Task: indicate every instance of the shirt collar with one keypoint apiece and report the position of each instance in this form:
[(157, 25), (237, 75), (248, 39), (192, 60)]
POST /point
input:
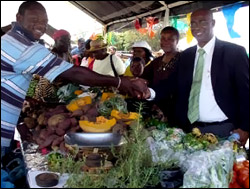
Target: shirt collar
[(208, 47), (17, 28)]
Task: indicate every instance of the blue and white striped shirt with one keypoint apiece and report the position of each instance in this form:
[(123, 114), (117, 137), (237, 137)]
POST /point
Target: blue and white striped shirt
[(21, 57)]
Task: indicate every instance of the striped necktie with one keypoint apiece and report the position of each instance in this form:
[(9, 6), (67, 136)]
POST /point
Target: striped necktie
[(193, 105)]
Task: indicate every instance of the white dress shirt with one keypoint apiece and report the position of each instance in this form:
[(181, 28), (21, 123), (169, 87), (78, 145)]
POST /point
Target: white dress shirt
[(209, 110)]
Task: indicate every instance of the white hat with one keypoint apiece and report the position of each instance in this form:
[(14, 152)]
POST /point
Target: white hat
[(142, 44)]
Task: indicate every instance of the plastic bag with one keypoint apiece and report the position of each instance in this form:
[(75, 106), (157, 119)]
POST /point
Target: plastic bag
[(208, 169), (66, 93)]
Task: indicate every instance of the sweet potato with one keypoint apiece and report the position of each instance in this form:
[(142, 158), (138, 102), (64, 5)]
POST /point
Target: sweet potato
[(62, 147), (60, 131), (43, 134), (77, 113), (41, 119), (47, 142), (57, 141), (74, 129), (92, 112), (39, 141), (39, 128), (65, 125), (30, 122), (74, 122), (86, 108), (119, 129), (55, 119), (84, 117)]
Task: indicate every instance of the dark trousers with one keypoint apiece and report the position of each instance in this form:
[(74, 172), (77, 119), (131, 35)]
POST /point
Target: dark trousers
[(220, 129)]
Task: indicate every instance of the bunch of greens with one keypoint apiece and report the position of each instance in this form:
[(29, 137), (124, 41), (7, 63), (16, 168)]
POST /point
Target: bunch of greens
[(116, 102), (32, 87), (64, 164), (66, 93), (153, 122), (193, 143), (133, 168)]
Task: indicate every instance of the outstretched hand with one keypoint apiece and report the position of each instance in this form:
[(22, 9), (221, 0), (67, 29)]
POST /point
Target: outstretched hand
[(136, 87), (244, 135)]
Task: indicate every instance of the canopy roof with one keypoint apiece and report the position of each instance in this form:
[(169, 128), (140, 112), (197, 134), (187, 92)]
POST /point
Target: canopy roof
[(116, 14)]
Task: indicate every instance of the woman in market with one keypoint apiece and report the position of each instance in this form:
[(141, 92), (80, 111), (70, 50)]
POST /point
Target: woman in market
[(143, 50), (163, 67)]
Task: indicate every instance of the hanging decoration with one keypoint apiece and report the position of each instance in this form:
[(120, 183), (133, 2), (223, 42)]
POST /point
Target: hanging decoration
[(174, 21), (96, 36), (151, 21), (138, 23), (229, 13), (189, 33)]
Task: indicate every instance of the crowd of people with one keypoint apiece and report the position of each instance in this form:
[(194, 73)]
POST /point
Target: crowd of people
[(205, 86)]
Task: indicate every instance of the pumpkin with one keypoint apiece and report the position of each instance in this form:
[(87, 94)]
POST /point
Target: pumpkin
[(101, 125), (105, 96), (78, 92), (79, 103), (129, 116)]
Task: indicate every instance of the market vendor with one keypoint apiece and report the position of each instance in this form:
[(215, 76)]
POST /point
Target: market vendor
[(212, 83), (22, 56)]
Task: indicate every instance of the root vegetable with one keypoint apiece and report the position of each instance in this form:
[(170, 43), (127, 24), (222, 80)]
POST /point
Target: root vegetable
[(84, 117), (60, 131), (92, 112), (30, 122), (43, 134), (86, 108), (47, 142), (74, 122), (62, 147), (65, 125), (42, 119), (39, 141), (74, 129), (77, 113), (57, 141), (55, 119)]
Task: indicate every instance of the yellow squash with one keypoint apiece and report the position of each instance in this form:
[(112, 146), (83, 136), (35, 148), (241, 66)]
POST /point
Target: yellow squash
[(105, 96), (129, 116), (101, 125), (79, 103)]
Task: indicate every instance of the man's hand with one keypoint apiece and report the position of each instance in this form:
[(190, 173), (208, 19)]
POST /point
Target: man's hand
[(244, 135), (135, 87)]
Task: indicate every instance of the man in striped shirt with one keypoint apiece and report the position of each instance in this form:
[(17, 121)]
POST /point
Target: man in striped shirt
[(22, 56)]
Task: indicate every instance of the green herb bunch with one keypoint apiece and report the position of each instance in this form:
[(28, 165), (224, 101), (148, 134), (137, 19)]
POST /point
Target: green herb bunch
[(133, 169)]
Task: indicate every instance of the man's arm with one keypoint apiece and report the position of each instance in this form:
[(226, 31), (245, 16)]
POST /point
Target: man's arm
[(84, 76), (241, 78)]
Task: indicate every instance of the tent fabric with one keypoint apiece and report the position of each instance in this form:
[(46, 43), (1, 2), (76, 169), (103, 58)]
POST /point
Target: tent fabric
[(117, 14)]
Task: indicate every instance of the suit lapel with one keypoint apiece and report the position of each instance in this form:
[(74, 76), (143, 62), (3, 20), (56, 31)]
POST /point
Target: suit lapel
[(190, 66), (216, 61)]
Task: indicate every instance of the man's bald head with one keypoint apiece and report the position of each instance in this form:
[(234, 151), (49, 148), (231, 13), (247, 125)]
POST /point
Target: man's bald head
[(202, 24), (203, 11)]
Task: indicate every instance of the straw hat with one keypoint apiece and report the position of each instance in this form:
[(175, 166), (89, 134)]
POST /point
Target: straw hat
[(96, 45)]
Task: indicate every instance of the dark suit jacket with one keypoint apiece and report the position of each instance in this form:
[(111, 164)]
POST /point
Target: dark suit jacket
[(230, 82)]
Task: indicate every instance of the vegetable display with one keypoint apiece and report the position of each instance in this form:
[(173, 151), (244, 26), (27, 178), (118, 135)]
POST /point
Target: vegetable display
[(240, 177), (101, 125)]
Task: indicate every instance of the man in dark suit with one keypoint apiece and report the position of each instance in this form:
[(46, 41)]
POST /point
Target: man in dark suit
[(212, 83)]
